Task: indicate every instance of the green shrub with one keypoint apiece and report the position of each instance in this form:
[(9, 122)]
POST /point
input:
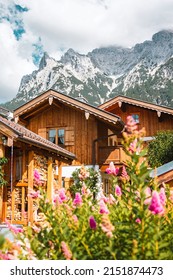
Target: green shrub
[(85, 177), (160, 150)]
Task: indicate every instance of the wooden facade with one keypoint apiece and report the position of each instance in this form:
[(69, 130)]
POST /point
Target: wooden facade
[(85, 127), (27, 152), (153, 117)]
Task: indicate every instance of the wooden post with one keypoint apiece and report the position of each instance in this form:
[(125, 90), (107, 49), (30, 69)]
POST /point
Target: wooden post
[(2, 154), (30, 185), (60, 174), (67, 183), (50, 179)]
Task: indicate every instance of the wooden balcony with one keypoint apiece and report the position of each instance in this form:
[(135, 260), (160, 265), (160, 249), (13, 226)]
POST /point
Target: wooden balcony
[(115, 154)]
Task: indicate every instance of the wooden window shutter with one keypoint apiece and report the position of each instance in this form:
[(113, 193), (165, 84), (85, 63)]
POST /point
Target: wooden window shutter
[(42, 132), (69, 136)]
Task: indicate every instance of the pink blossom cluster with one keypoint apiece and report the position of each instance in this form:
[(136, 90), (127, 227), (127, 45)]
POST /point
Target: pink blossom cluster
[(133, 147), (103, 208), (124, 173), (118, 190), (138, 221), (13, 228), (92, 222), (106, 226), (112, 169), (66, 251), (34, 194), (78, 199), (85, 190), (60, 196), (158, 201), (37, 177), (6, 256)]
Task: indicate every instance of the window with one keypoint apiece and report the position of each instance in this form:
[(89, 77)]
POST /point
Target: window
[(136, 117), (57, 136), (52, 135), (61, 136)]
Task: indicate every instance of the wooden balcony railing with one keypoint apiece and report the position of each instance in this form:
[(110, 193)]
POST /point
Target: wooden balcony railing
[(111, 153)]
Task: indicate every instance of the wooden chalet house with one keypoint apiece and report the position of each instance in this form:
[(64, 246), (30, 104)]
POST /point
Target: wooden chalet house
[(26, 151), (151, 116), (80, 128)]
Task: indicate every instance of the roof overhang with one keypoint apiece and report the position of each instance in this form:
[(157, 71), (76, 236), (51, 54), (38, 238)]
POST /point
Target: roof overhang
[(118, 100), (18, 133), (52, 97)]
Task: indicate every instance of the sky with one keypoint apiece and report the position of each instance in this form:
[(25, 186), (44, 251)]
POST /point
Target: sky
[(28, 28)]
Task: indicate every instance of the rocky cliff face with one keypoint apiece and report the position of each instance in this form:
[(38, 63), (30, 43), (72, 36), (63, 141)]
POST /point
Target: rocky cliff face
[(144, 72)]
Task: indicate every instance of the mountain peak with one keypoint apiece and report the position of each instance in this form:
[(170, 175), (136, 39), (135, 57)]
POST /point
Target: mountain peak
[(43, 61), (144, 72), (163, 35)]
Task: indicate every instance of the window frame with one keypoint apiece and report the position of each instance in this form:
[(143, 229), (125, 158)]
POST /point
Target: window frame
[(57, 129)]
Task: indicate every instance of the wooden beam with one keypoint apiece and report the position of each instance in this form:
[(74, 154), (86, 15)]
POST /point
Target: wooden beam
[(24, 169), (50, 179), (30, 185), (35, 111), (60, 174), (2, 150)]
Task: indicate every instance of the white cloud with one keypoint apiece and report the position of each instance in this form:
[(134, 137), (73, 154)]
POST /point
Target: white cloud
[(78, 24), (84, 25), (12, 63)]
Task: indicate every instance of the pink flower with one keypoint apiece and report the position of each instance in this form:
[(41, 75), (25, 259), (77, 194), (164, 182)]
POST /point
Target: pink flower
[(112, 199), (103, 208), (62, 194), (92, 222), (85, 190), (134, 146), (78, 199), (124, 173), (138, 221), (37, 177), (103, 197), (66, 251), (118, 191), (75, 219), (4, 256), (13, 228), (106, 226), (156, 206), (148, 196), (34, 194), (162, 196), (112, 169)]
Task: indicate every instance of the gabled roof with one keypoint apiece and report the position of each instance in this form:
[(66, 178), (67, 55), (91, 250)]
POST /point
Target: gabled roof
[(50, 96), (144, 104), (19, 132)]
